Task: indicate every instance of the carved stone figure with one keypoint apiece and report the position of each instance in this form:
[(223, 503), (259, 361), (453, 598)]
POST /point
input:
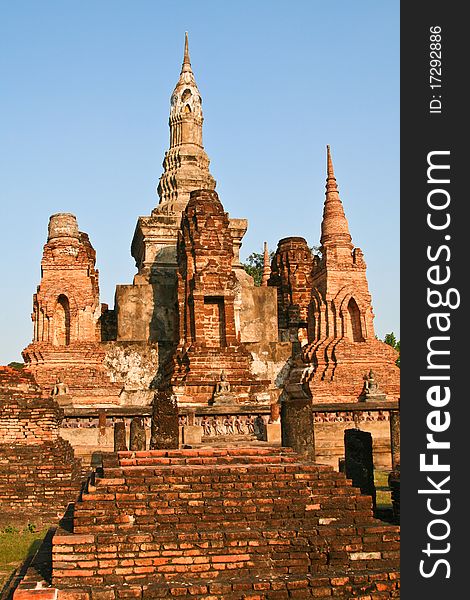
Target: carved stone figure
[(222, 386), (206, 426), (137, 439), (60, 388), (370, 384), (371, 387), (239, 425), (228, 423), (259, 426), (275, 416), (120, 436), (217, 426), (250, 424)]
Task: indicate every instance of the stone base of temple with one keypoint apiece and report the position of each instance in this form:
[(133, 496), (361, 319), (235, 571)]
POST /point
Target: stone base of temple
[(229, 523)]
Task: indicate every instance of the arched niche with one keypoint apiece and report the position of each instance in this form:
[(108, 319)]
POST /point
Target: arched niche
[(62, 321), (354, 318)]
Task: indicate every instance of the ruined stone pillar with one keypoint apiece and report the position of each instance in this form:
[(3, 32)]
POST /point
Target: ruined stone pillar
[(120, 436), (137, 439), (297, 425), (165, 426), (359, 460), (102, 423), (395, 437), (394, 485)]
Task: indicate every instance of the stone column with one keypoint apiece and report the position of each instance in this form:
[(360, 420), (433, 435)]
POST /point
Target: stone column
[(359, 460), (165, 426), (137, 434), (394, 485), (120, 436), (102, 422), (297, 426), (395, 437)]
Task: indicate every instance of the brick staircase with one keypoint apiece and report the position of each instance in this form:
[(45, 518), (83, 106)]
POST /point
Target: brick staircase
[(254, 523)]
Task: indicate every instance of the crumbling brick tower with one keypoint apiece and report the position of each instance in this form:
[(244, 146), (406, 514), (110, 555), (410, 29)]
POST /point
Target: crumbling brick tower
[(145, 310), (66, 307), (66, 314), (291, 273)]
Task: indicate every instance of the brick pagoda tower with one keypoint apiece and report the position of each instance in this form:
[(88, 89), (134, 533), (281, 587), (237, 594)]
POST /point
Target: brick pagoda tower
[(208, 342), (342, 344), (67, 316), (326, 390), (145, 310)]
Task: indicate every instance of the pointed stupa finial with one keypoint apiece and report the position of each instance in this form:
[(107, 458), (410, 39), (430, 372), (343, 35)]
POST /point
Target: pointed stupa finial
[(266, 266), (186, 60), (331, 184), (334, 227)]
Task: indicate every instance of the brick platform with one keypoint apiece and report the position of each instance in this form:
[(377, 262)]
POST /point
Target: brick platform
[(253, 523)]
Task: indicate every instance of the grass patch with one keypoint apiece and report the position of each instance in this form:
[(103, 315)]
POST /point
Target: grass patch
[(15, 547)]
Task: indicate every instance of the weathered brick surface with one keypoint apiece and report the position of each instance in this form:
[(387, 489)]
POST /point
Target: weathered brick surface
[(224, 523), (37, 482), (18, 383), (291, 272), (67, 315), (208, 343), (39, 474), (329, 295)]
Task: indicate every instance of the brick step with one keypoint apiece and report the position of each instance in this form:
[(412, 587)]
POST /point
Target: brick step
[(204, 485), (340, 584), (114, 459), (130, 559), (358, 537), (371, 530), (209, 460), (187, 525), (262, 466), (222, 466), (190, 522), (243, 451), (233, 473), (162, 495), (191, 503)]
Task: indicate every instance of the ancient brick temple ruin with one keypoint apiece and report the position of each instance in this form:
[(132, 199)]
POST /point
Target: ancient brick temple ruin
[(228, 401)]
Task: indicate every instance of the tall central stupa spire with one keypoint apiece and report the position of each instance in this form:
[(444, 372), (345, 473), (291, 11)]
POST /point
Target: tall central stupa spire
[(186, 164), (334, 227)]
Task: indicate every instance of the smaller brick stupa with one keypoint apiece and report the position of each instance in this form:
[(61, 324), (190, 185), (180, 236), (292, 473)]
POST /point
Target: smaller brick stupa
[(66, 345), (342, 376), (342, 343)]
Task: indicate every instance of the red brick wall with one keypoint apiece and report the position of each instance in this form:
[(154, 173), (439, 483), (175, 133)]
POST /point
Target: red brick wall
[(39, 474), (29, 422), (214, 322)]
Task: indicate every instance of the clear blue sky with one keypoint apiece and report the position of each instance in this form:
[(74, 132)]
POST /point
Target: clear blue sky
[(84, 104)]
